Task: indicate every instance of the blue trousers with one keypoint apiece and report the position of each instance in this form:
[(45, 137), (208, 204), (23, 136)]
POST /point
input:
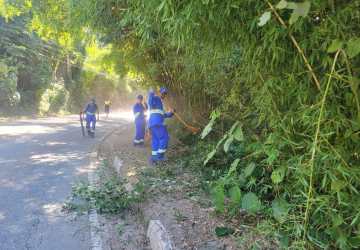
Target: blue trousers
[(90, 121), (159, 141), (139, 132)]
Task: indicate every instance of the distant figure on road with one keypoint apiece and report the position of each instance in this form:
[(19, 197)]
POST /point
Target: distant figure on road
[(107, 107), (158, 130), (90, 111), (139, 110)]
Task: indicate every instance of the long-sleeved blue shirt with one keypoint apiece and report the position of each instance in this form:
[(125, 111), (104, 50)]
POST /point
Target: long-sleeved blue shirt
[(91, 109), (139, 112), (157, 113)]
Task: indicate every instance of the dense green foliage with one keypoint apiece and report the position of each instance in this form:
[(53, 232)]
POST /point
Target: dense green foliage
[(44, 70), (295, 146), (24, 73)]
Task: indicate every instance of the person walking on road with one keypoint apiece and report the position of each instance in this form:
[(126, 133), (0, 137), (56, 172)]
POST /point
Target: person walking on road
[(139, 110), (158, 130), (107, 104), (91, 110)]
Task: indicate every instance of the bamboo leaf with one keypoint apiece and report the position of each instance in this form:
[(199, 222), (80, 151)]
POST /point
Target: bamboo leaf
[(249, 169), (233, 167), (233, 127), (209, 156), (222, 140), (207, 129), (228, 143)]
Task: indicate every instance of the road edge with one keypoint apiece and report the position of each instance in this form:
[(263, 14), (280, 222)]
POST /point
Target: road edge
[(96, 242), (95, 237)]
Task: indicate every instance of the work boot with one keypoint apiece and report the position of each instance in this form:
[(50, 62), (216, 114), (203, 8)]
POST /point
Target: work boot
[(91, 133), (153, 162)]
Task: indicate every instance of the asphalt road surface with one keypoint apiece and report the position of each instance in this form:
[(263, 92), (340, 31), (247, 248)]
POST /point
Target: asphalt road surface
[(40, 159)]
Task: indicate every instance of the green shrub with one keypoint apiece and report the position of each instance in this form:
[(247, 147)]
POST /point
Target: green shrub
[(54, 99)]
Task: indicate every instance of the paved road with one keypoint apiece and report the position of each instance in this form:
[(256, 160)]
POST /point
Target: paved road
[(39, 161)]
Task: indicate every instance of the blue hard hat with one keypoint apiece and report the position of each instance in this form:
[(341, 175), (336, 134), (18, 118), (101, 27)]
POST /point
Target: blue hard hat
[(140, 97), (163, 90)]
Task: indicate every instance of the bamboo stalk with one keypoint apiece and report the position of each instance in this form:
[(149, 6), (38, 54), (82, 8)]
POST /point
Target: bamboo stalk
[(296, 44), (314, 147)]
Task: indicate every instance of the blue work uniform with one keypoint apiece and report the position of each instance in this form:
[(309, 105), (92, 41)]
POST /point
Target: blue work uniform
[(159, 133), (139, 113), (90, 112)]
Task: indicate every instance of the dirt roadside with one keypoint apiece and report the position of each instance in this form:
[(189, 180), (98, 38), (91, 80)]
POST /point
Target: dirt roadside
[(171, 196)]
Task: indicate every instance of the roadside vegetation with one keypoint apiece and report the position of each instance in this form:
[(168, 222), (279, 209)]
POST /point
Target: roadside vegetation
[(107, 196), (275, 84)]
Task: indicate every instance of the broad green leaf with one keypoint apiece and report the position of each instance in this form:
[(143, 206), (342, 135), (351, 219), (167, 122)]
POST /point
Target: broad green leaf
[(264, 18), (278, 175), (249, 169), (280, 209), (282, 4), (353, 47), (227, 143), (284, 241), (335, 46), (219, 198), (294, 17), (251, 203), (238, 134), (209, 156), (300, 10), (223, 231), (235, 195), (291, 5)]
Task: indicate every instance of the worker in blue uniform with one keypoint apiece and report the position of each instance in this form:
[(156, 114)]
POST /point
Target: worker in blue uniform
[(90, 112), (139, 110), (158, 130)]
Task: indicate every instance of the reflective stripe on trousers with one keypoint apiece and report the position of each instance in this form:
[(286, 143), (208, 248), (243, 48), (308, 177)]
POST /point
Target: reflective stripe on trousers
[(157, 111)]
